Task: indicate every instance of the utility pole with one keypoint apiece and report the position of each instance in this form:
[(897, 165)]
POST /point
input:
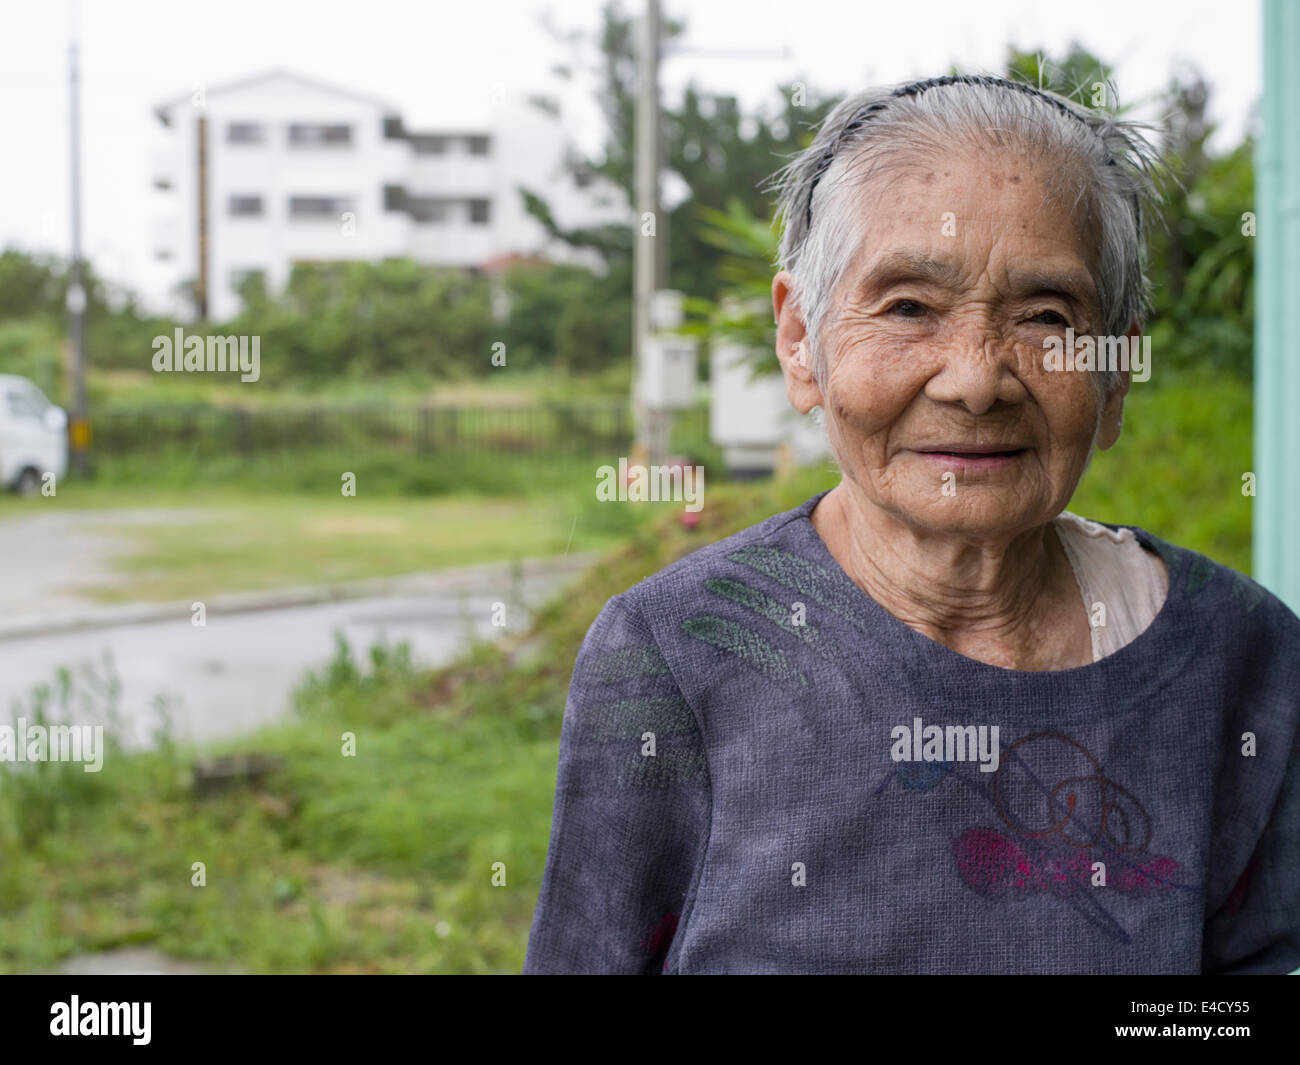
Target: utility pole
[(202, 283), (673, 365), (645, 255), (79, 427)]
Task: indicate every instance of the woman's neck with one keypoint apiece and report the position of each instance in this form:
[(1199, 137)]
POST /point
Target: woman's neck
[(1012, 603)]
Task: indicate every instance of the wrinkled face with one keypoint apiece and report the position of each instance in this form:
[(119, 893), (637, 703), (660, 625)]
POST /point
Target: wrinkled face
[(936, 397)]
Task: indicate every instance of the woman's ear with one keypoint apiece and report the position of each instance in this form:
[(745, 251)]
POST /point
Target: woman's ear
[(1112, 411), (1112, 414), (792, 347)]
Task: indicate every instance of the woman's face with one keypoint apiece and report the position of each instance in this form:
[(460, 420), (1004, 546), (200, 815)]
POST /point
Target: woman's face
[(937, 402)]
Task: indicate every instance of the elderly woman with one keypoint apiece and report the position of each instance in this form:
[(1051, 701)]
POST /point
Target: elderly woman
[(929, 721)]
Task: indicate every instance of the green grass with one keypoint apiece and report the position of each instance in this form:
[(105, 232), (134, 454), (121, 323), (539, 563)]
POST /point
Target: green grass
[(1176, 470), (275, 543), (250, 536), (179, 479), (500, 454), (279, 521), (378, 863), (501, 386)]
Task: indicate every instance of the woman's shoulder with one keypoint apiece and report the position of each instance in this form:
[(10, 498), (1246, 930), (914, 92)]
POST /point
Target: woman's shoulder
[(1201, 581)]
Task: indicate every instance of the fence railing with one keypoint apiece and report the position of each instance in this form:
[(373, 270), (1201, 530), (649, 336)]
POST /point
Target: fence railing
[(210, 431)]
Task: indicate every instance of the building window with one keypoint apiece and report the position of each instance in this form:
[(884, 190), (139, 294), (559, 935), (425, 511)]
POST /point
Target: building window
[(427, 144), (245, 133), (245, 207), (318, 208), (479, 212), (319, 135), (394, 198), (477, 145), (427, 210)]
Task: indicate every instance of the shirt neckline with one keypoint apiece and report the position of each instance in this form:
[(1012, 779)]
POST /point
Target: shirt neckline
[(922, 645)]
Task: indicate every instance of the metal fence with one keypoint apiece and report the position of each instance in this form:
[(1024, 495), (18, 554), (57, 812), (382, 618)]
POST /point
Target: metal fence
[(210, 431)]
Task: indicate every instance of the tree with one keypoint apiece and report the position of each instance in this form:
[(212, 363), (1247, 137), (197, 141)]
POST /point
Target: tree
[(720, 153)]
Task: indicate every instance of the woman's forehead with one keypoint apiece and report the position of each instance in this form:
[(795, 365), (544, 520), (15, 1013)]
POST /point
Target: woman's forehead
[(937, 223), (994, 181)]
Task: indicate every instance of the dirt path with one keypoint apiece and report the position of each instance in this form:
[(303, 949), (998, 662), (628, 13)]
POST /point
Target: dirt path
[(45, 558)]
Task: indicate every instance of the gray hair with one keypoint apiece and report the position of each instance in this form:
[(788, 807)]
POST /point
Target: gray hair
[(867, 134)]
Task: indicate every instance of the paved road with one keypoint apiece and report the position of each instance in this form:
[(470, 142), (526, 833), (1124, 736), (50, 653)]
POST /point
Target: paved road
[(237, 672)]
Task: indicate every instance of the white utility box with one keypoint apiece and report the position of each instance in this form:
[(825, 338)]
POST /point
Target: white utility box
[(751, 419), (668, 368)]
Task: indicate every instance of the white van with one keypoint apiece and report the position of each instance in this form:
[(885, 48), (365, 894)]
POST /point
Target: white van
[(33, 436)]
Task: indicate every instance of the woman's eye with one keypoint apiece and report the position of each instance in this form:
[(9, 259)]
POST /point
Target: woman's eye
[(1049, 318), (907, 309)]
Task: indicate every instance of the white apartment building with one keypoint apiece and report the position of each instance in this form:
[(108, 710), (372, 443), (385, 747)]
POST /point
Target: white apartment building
[(263, 173)]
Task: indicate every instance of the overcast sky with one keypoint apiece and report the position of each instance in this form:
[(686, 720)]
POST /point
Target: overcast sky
[(439, 62)]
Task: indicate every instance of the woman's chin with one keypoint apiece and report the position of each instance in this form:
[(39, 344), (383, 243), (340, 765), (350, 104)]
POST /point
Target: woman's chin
[(981, 514)]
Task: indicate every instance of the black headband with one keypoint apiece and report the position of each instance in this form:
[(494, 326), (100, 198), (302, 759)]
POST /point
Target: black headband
[(915, 89)]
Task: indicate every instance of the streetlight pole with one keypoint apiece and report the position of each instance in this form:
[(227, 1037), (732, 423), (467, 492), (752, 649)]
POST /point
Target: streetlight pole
[(79, 430)]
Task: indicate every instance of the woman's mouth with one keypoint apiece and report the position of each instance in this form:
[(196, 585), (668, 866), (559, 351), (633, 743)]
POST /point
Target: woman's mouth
[(957, 457)]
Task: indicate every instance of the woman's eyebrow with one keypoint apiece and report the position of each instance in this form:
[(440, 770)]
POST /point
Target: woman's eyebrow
[(1067, 284), (904, 266)]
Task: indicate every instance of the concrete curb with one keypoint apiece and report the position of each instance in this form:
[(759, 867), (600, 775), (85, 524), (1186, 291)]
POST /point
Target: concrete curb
[(425, 582)]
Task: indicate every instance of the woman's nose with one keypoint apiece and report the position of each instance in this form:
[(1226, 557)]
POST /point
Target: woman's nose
[(977, 370)]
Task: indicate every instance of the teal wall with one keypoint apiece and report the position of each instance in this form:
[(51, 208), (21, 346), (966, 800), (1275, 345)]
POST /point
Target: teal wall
[(1276, 515)]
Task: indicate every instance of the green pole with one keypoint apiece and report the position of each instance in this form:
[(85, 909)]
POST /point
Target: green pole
[(1276, 524)]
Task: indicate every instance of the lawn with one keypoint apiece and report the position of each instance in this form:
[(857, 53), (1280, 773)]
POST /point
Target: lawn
[(277, 542), (127, 388), (234, 539)]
